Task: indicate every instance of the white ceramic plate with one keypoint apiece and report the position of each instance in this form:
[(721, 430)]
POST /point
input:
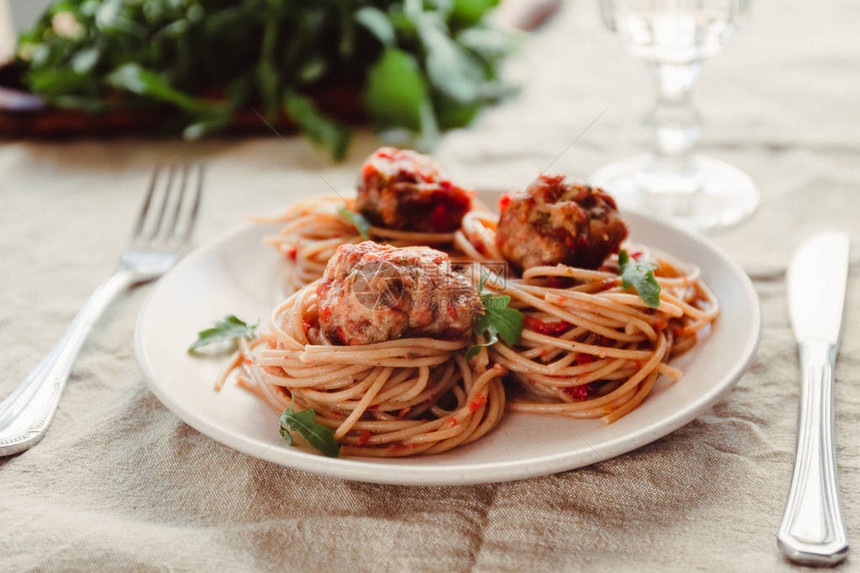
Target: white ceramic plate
[(236, 274)]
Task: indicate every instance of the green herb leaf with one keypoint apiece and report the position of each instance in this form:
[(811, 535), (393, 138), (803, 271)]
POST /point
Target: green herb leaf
[(641, 277), (111, 18), (452, 71), (85, 60), (357, 219), (285, 432), (499, 319), (490, 44), (316, 126), (312, 70), (319, 436), (140, 81), (83, 103), (53, 84), (422, 65), (395, 92), (377, 23), (475, 348), (482, 281), (268, 78), (225, 330), (469, 12), (452, 114), (207, 124)]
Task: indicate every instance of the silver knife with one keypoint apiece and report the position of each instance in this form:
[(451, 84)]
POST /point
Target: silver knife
[(812, 530)]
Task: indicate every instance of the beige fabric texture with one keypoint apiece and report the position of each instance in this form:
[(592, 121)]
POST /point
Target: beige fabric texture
[(120, 483)]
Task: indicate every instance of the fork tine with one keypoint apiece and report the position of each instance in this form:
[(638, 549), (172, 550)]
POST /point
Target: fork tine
[(168, 188), (195, 208), (147, 201), (177, 204)]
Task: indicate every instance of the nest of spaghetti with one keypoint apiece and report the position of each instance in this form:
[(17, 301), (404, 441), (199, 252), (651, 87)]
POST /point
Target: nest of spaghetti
[(399, 388), (402, 198), (592, 344), (591, 348)]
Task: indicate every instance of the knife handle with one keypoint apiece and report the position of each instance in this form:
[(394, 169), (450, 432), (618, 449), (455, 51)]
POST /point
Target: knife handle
[(812, 530)]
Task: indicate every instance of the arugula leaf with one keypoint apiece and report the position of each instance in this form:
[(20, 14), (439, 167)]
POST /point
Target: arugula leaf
[(285, 432), (207, 124), (452, 71), (377, 23), (83, 103), (319, 436), (312, 70), (55, 83), (316, 126), (487, 43), (423, 65), (395, 92), (85, 60), (138, 80), (475, 348), (110, 18), (269, 81), (469, 12), (452, 114), (499, 319), (228, 329), (482, 281), (641, 277), (357, 219)]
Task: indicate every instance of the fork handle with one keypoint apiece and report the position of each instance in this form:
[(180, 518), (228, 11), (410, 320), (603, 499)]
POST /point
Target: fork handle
[(812, 530), (26, 413)]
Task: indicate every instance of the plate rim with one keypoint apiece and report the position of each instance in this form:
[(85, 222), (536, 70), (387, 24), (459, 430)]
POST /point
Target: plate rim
[(376, 471)]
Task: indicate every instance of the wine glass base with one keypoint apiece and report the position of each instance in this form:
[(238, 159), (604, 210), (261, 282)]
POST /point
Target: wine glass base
[(708, 196)]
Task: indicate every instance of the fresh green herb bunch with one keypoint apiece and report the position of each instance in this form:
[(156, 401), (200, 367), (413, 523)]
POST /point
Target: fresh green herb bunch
[(419, 65)]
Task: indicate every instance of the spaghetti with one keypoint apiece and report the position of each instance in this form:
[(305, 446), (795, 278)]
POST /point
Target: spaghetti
[(595, 350), (315, 228), (589, 346), (589, 349), (402, 199), (389, 399)]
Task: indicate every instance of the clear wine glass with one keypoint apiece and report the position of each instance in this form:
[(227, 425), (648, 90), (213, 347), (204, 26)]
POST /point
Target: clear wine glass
[(673, 37)]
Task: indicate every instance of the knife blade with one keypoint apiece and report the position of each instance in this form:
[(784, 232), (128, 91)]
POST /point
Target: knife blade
[(813, 531), (816, 287)]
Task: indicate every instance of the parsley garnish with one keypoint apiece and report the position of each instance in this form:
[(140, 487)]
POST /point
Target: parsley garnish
[(319, 436), (475, 348), (498, 319), (641, 277), (358, 220), (228, 329)]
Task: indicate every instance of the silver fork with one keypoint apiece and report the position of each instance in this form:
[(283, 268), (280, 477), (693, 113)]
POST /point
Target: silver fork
[(159, 238)]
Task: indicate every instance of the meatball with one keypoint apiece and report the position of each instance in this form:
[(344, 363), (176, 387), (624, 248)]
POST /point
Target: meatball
[(402, 189), (373, 293), (554, 221)]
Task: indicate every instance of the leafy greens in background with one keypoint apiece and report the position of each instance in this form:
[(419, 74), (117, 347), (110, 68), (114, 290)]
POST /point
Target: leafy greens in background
[(420, 65)]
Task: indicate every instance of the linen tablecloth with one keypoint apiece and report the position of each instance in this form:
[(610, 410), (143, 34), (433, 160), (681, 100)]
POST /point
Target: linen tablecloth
[(120, 483)]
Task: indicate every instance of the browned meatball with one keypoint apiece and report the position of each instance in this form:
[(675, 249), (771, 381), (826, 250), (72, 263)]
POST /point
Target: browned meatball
[(402, 189), (373, 293), (554, 221)]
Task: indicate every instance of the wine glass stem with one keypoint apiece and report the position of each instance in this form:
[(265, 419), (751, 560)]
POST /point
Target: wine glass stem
[(674, 121)]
